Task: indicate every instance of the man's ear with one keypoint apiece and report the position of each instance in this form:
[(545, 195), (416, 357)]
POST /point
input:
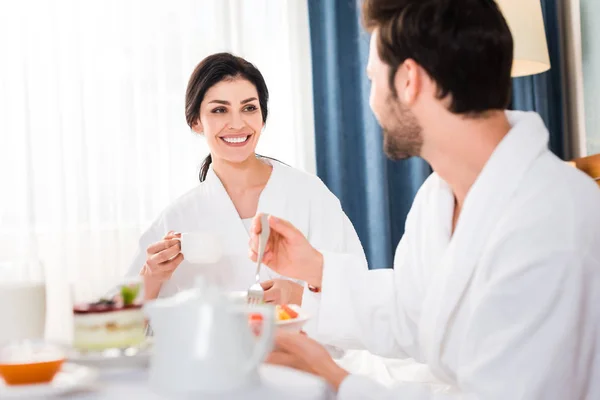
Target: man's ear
[(407, 82)]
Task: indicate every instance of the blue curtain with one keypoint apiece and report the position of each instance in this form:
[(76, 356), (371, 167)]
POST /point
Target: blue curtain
[(543, 92), (375, 193)]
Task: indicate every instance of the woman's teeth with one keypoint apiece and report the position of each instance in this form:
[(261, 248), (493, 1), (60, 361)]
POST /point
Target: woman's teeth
[(235, 140)]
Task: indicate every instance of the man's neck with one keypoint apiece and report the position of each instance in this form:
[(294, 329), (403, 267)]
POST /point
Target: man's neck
[(461, 148)]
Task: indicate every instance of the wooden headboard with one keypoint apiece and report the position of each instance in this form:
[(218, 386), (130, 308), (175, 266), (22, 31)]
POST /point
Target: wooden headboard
[(590, 165)]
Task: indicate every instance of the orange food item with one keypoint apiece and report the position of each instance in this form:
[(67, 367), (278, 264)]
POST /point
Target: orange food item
[(256, 317), (285, 313), (30, 373), (282, 315), (255, 320), (293, 314)]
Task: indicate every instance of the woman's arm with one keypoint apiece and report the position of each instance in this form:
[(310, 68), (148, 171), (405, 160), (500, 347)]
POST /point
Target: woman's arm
[(151, 287)]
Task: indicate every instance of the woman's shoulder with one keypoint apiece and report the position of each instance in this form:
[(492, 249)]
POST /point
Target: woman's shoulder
[(306, 186), (301, 179), (185, 202)]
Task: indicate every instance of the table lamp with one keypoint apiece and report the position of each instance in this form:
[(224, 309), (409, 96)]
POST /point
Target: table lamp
[(526, 22)]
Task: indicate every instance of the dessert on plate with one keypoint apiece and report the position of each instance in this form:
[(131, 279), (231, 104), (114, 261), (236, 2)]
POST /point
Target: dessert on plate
[(110, 323)]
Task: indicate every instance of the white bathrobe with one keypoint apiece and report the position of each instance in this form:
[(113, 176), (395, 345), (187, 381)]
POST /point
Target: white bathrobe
[(507, 307), (291, 194)]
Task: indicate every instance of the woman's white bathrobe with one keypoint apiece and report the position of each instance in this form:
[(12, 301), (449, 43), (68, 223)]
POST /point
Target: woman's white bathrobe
[(291, 194)]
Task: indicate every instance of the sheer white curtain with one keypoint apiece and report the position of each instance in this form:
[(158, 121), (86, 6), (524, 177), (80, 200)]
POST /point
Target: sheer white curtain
[(93, 139)]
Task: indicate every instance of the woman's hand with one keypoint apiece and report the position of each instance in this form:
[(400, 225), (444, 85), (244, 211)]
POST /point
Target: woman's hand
[(282, 291), (163, 258)]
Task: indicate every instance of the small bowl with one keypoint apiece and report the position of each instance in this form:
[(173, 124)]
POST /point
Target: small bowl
[(290, 325), (30, 362), (294, 324)]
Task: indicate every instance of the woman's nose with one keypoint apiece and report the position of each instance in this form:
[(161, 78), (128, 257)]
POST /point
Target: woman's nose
[(236, 122)]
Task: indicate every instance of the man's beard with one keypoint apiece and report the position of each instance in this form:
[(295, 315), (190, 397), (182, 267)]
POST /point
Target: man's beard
[(402, 134)]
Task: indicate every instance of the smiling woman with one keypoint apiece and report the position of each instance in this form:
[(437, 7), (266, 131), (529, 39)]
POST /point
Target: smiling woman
[(94, 145), (227, 103)]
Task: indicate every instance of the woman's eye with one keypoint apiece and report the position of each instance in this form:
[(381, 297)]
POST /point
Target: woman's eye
[(218, 110), (250, 108)]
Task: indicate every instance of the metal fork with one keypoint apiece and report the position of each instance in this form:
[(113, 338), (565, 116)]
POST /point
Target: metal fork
[(256, 293)]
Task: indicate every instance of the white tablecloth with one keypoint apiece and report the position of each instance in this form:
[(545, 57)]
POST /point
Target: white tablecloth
[(276, 383)]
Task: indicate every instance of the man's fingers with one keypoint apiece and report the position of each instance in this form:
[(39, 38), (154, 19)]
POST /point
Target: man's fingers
[(253, 242), (268, 259), (282, 358), (272, 296), (256, 226), (288, 342), (283, 227), (252, 255)]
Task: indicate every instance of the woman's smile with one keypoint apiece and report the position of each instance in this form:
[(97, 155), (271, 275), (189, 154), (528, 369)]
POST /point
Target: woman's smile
[(236, 140)]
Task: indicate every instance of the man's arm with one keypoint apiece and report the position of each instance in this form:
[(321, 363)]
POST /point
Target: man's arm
[(532, 334)]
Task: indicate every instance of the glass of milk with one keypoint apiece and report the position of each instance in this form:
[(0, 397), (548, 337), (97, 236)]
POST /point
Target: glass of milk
[(22, 300)]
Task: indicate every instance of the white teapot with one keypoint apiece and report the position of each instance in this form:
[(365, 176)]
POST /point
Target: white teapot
[(203, 342)]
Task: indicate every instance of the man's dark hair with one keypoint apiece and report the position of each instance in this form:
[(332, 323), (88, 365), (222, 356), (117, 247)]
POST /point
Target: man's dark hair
[(464, 45)]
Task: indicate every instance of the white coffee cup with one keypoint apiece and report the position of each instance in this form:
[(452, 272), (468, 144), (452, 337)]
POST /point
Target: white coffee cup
[(200, 247)]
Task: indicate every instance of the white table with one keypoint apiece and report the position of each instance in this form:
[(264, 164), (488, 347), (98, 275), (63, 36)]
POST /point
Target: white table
[(276, 383)]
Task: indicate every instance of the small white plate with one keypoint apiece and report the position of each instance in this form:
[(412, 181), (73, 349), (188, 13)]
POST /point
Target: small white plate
[(70, 378), (291, 325), (114, 359), (294, 324)]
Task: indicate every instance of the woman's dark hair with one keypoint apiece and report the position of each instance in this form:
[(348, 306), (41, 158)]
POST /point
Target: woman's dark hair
[(212, 70), (464, 45)]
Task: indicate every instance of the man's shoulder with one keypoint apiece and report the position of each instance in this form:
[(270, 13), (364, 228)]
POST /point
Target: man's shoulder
[(429, 190), (556, 203), (551, 184)]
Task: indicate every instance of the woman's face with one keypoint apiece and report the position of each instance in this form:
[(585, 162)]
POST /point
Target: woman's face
[(231, 120)]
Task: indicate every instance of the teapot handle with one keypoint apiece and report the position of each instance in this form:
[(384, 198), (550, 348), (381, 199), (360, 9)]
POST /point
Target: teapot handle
[(265, 342)]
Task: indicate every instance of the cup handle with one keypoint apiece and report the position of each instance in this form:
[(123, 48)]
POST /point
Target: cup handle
[(265, 342)]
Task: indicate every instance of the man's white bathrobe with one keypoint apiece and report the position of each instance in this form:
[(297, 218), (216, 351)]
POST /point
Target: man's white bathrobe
[(291, 194), (507, 307)]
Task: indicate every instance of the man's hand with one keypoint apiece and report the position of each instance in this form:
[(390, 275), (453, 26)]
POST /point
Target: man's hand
[(298, 351), (288, 252)]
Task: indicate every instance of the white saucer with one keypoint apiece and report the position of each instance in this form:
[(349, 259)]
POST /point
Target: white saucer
[(70, 378), (114, 359)]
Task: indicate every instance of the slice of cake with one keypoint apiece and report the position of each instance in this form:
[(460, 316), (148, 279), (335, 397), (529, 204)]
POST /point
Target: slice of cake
[(110, 323)]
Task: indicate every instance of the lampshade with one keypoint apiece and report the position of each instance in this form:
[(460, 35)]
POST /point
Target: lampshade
[(526, 22)]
